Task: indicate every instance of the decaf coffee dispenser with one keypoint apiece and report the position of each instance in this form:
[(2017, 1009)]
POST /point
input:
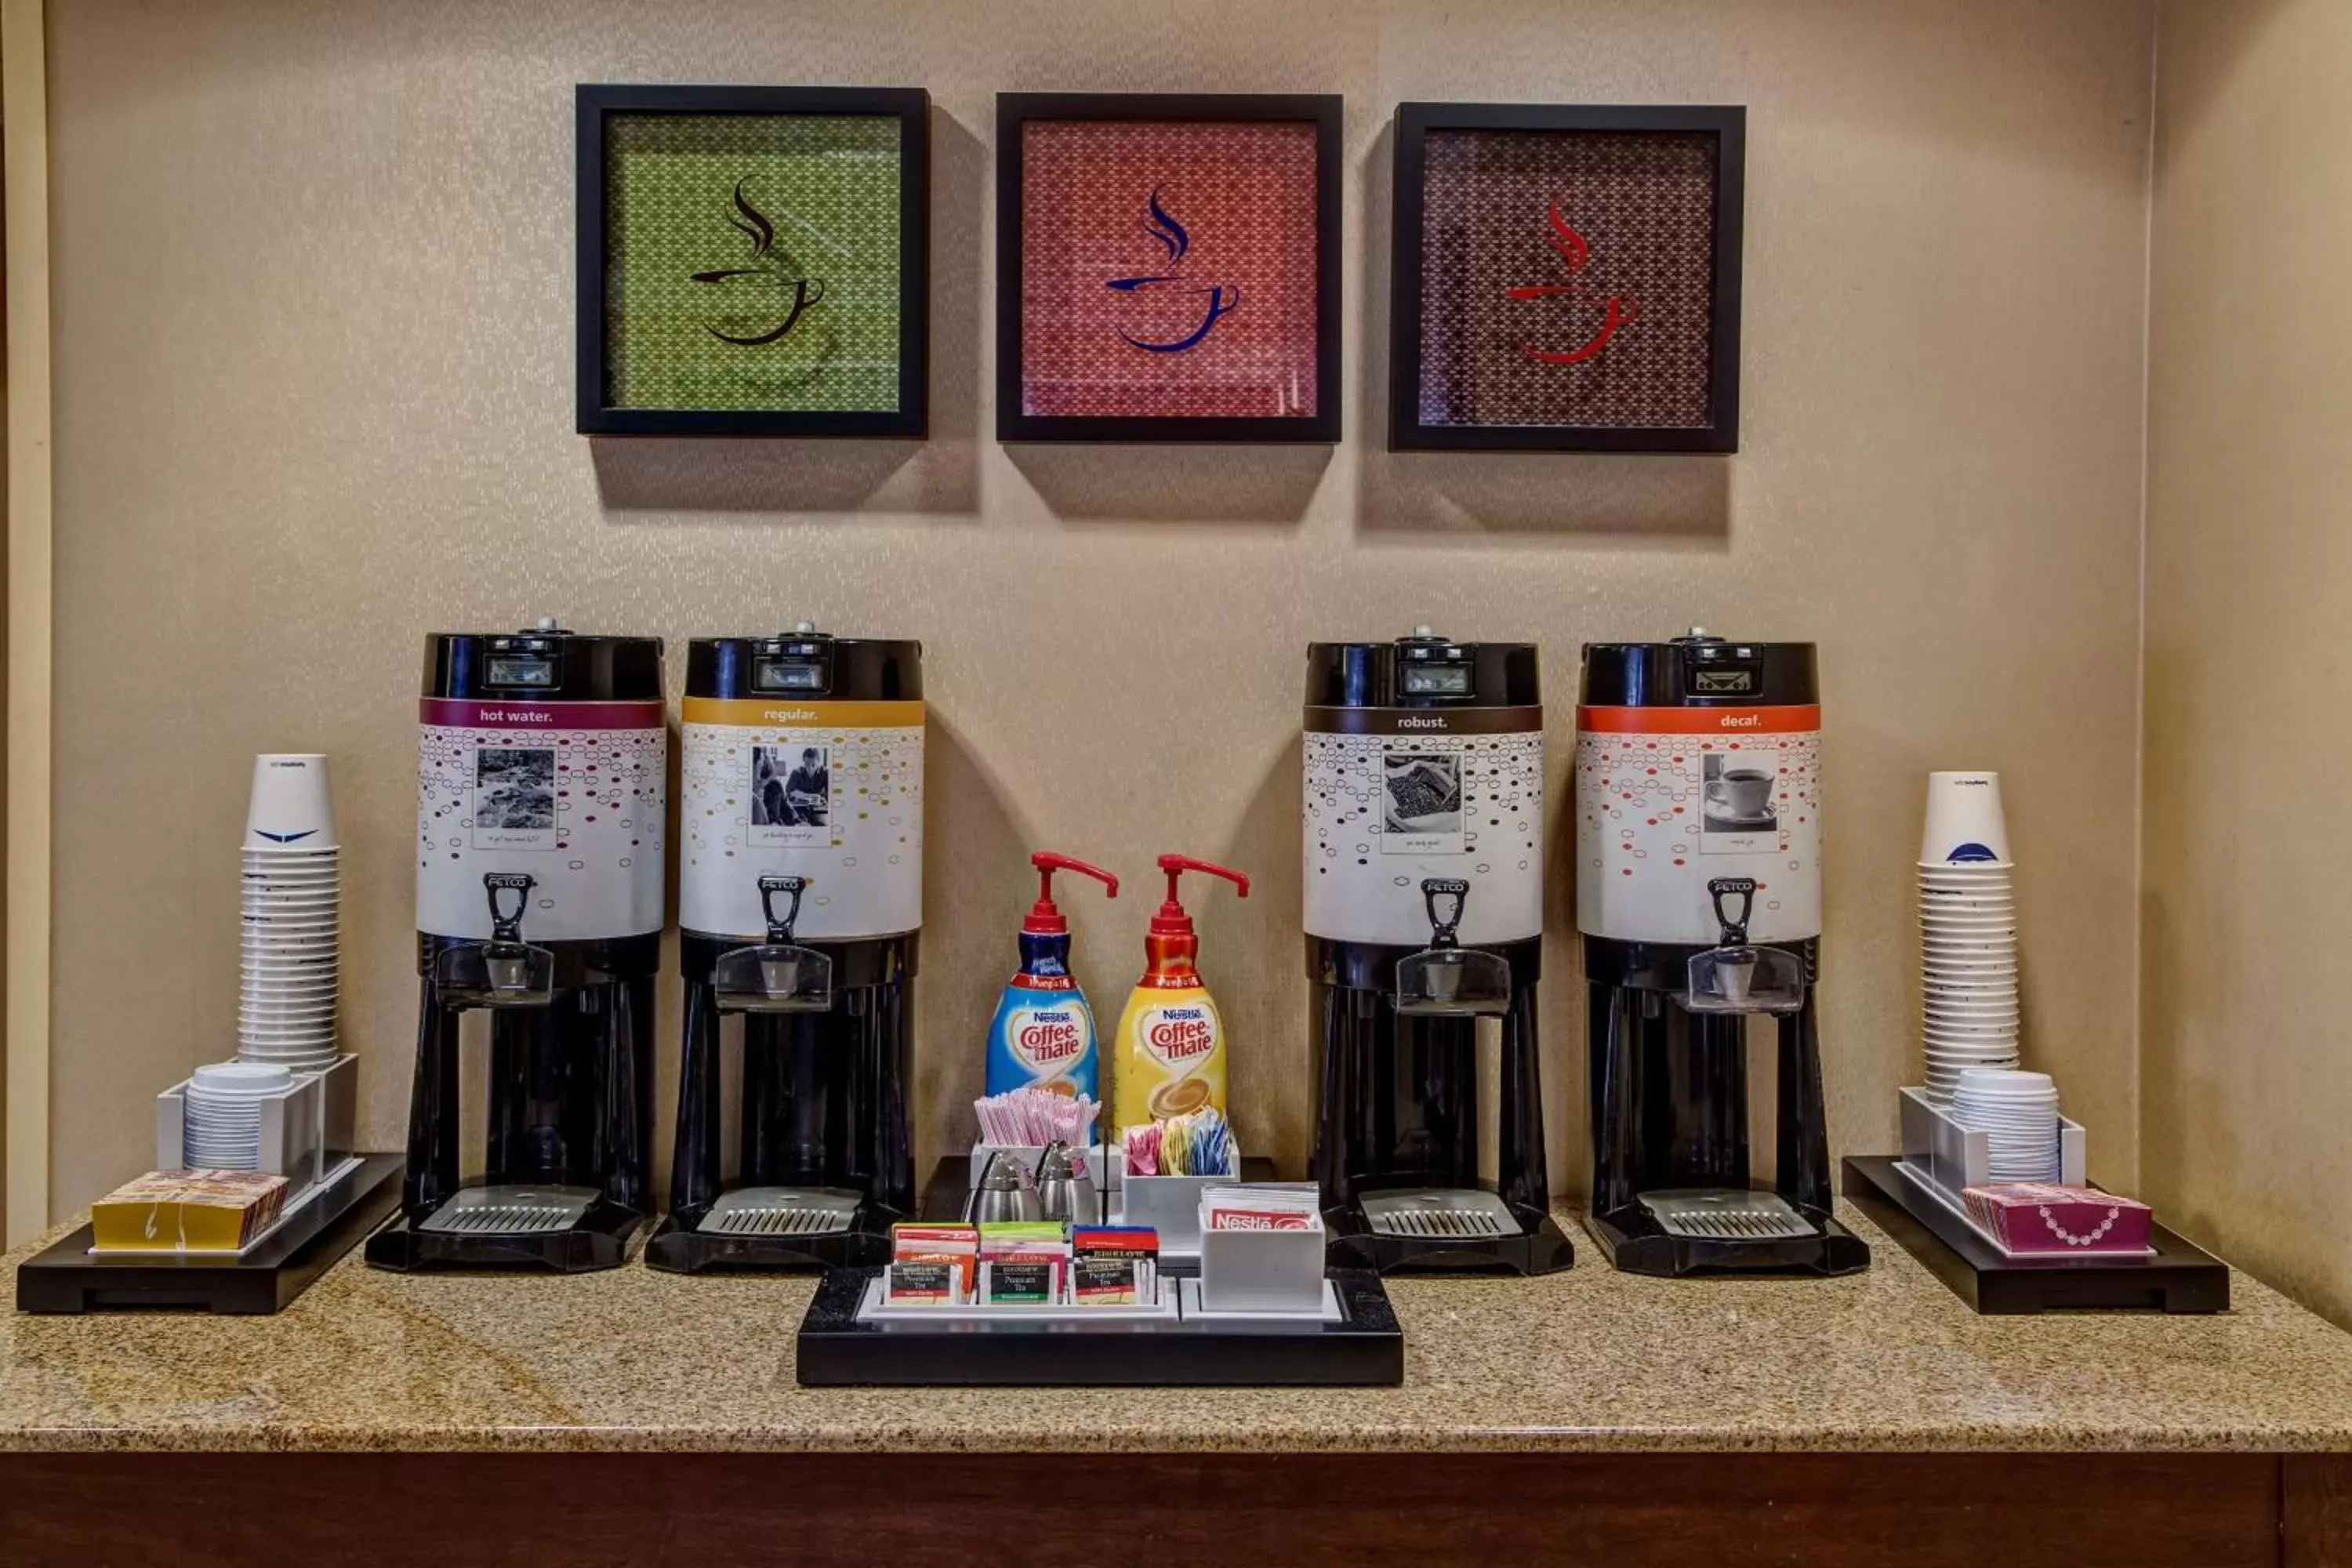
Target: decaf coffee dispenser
[(542, 761), (800, 912), (1698, 882), (1423, 764)]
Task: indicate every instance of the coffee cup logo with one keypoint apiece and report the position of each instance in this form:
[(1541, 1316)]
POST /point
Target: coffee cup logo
[(1046, 1038)]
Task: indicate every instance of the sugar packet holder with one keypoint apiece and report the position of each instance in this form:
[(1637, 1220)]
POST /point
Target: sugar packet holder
[(1261, 1249)]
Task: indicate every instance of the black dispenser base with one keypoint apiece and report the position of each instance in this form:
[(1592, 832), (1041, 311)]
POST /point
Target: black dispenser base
[(1364, 1351), (601, 1240), (2180, 1278), (678, 1247), (1636, 1243), (64, 1277), (1540, 1248)]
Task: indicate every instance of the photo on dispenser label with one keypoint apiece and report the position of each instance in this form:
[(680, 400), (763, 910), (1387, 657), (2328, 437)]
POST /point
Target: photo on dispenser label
[(1420, 803), (1740, 812), (514, 797), (791, 794)]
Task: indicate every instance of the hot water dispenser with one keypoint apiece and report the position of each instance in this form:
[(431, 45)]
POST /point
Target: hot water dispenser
[(542, 760)]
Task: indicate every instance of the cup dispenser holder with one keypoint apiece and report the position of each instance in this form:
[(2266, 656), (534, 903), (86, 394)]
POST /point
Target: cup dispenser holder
[(505, 970), (1446, 980), (777, 975), (1734, 976)]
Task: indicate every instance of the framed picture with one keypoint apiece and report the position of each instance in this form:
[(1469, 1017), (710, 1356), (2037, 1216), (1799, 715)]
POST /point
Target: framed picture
[(754, 261), (1566, 279), (1167, 267)]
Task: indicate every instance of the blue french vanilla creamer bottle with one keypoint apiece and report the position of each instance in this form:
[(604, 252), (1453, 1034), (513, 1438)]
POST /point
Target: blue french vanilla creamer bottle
[(1042, 1035)]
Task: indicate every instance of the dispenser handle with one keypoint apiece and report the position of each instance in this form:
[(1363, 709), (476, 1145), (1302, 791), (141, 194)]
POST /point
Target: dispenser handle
[(1177, 865), (508, 927), (1442, 927), (780, 931), (1735, 926), (1047, 863)]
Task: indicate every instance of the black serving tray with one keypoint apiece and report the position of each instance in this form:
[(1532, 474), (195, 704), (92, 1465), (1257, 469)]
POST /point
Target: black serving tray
[(64, 1277), (2180, 1278), (1366, 1349)]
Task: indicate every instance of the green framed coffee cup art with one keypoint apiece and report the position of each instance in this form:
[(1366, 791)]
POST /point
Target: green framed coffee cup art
[(753, 261)]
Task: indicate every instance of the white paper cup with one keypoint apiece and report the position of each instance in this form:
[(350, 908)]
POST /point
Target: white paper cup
[(291, 805), (1964, 823)]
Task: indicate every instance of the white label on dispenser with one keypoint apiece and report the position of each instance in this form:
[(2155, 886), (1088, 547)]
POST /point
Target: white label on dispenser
[(1670, 799), (574, 795), (1401, 795), (829, 791)]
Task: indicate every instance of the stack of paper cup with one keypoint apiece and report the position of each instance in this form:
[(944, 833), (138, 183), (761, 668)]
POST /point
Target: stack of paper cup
[(285, 1011), (221, 1125), (1968, 932)]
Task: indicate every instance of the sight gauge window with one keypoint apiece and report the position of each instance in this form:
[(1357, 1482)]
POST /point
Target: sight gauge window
[(781, 675), (1735, 681), (1437, 680), (522, 673)]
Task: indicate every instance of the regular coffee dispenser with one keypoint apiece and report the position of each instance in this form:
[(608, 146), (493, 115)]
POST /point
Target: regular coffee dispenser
[(1423, 770), (1699, 891), (542, 762), (800, 915)]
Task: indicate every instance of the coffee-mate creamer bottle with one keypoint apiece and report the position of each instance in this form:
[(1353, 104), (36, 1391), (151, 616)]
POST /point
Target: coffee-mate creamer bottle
[(1171, 1044), (1042, 1035)]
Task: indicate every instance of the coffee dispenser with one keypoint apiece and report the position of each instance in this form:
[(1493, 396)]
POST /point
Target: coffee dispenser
[(800, 913), (1698, 892), (542, 761), (1423, 766)]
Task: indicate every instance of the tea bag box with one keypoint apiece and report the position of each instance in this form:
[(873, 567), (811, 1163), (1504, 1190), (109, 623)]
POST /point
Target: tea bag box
[(1423, 894)]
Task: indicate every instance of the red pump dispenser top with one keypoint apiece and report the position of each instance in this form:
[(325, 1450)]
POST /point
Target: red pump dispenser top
[(1171, 920), (1045, 918)]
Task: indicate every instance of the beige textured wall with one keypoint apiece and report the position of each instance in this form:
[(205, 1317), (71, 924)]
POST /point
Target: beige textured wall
[(2248, 1094), (314, 301)]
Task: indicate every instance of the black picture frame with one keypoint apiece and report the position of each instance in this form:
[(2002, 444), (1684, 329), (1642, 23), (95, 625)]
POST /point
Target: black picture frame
[(1414, 122), (1320, 110), (910, 107)]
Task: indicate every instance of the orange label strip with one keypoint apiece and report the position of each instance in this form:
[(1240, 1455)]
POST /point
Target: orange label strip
[(783, 713)]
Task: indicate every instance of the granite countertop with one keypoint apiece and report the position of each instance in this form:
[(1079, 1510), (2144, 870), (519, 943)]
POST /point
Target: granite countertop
[(1589, 1358)]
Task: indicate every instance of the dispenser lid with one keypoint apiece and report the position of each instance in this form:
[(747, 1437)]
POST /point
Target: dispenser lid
[(545, 662), (1427, 670), (804, 662), (1045, 918), (1171, 919), (1699, 669)]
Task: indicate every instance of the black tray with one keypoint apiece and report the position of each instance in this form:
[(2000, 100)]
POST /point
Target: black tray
[(2179, 1278), (835, 1351), (65, 1278)]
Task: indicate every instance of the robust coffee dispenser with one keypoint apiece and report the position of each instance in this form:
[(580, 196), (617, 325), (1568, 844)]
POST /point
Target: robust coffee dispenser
[(1699, 891), (1423, 764), (542, 761), (800, 911)]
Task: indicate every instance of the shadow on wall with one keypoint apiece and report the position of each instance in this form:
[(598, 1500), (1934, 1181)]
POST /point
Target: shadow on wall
[(965, 823), (1085, 482), (1677, 499), (1273, 1066), (940, 476)]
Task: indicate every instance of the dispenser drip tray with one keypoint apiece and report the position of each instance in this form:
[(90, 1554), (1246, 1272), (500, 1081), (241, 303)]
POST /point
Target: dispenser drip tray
[(511, 1211), (781, 1211), (1439, 1213), (1727, 1214)]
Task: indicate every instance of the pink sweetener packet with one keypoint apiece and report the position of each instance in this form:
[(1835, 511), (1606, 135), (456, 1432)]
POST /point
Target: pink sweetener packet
[(2053, 1218)]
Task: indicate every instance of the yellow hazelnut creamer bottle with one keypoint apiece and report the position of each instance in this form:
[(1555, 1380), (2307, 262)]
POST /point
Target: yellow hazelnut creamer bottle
[(1170, 1053)]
